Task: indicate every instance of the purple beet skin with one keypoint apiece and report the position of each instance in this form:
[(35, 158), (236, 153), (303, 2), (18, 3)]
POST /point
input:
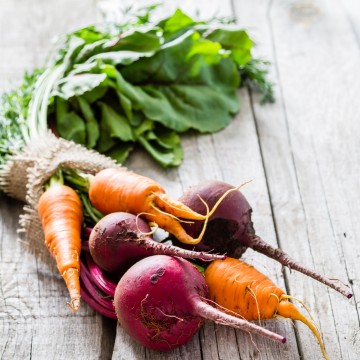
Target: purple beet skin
[(121, 239), (230, 229), (161, 302)]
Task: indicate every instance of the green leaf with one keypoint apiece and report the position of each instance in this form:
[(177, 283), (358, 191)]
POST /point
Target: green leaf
[(92, 126), (130, 96), (69, 125), (144, 39), (209, 50), (96, 93), (255, 74), (76, 85), (73, 43), (119, 57), (163, 145), (14, 105), (74, 46), (206, 104), (177, 21), (184, 107), (126, 106), (164, 137), (105, 142), (91, 34), (92, 49), (168, 156), (167, 65), (126, 83), (115, 124), (142, 127), (236, 41), (120, 151)]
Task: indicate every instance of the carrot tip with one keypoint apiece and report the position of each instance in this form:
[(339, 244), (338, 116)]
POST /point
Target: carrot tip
[(74, 304)]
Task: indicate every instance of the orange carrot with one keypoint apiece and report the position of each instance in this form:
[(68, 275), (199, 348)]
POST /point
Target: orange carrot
[(241, 289), (113, 190), (60, 212)]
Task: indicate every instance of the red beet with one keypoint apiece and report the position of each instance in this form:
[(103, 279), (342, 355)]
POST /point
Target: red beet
[(231, 230), (161, 302), (120, 239)]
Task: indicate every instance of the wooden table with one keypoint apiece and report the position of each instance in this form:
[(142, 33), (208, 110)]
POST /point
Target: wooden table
[(303, 153)]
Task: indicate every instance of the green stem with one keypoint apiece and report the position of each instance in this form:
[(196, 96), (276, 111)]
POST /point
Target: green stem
[(79, 180), (38, 108), (55, 180), (43, 111), (89, 211)]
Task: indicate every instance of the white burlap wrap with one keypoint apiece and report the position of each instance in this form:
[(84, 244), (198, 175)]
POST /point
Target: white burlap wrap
[(23, 176)]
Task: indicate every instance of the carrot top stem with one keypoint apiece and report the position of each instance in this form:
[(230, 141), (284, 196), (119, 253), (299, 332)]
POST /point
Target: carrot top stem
[(89, 211), (55, 179), (80, 180)]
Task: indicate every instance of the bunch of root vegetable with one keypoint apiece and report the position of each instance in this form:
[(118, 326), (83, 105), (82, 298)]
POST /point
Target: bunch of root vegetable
[(158, 299), (71, 189), (97, 219)]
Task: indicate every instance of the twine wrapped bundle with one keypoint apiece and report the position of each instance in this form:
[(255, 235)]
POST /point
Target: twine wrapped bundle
[(24, 174)]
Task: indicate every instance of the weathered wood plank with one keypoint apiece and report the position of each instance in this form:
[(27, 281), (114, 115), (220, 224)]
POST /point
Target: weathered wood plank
[(352, 12), (28, 29), (310, 150), (306, 158)]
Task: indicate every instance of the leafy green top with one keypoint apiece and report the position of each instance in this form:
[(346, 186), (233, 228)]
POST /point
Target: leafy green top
[(113, 86)]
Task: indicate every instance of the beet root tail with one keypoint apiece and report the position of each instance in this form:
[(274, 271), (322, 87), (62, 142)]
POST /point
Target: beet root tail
[(259, 245), (170, 250), (209, 312)]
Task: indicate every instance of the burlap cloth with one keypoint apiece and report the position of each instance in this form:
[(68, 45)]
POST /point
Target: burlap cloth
[(23, 176)]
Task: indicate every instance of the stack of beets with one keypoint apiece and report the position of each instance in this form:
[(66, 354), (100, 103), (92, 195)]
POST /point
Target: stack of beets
[(161, 298)]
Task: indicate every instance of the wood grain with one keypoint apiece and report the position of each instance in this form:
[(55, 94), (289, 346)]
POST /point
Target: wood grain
[(308, 151), (302, 153)]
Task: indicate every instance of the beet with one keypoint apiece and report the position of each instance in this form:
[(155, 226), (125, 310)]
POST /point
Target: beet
[(121, 239), (230, 222), (230, 229), (161, 303)]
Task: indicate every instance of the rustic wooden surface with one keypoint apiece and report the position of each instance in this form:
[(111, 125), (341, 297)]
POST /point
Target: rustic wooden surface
[(303, 153)]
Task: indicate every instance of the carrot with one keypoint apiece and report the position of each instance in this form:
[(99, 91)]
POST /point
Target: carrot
[(118, 190), (61, 216), (241, 289)]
